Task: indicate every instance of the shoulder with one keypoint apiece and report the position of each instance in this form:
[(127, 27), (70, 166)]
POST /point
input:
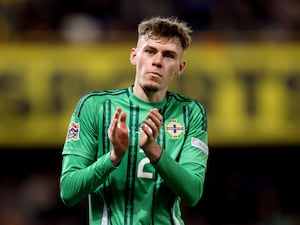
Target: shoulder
[(178, 99), (94, 98), (192, 108), (102, 95)]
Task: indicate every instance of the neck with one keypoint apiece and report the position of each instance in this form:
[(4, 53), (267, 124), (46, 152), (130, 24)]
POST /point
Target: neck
[(149, 95)]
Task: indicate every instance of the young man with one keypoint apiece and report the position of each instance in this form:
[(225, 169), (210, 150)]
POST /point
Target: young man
[(138, 152)]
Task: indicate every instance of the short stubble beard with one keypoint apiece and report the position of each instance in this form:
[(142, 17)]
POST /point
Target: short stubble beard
[(150, 89)]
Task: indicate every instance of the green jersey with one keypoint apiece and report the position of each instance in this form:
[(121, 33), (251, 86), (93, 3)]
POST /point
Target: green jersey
[(136, 191)]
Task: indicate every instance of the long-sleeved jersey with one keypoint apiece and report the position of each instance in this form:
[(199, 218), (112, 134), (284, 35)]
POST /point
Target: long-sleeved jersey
[(136, 191)]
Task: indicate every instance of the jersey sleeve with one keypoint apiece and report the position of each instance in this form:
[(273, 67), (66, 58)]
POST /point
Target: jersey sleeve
[(186, 177), (81, 138), (82, 173), (81, 177)]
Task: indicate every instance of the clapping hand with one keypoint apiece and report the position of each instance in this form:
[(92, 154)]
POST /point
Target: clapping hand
[(149, 132), (118, 136)]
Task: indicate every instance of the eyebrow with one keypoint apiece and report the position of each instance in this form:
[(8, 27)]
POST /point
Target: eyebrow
[(164, 51)]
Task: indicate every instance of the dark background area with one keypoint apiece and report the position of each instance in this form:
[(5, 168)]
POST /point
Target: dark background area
[(244, 185), (235, 20)]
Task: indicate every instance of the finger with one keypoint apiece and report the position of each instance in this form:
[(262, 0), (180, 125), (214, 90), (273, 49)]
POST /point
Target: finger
[(156, 116), (149, 123), (153, 130), (156, 119), (115, 119), (117, 113), (123, 120), (147, 130)]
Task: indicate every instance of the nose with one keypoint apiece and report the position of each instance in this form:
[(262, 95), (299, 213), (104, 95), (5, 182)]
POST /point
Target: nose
[(156, 60)]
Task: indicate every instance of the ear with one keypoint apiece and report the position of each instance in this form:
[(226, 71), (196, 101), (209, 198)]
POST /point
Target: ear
[(133, 56), (181, 68)]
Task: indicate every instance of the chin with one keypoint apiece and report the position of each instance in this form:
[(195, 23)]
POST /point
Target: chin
[(150, 88)]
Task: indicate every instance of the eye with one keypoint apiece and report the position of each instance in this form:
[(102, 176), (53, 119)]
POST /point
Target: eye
[(149, 51), (169, 55)]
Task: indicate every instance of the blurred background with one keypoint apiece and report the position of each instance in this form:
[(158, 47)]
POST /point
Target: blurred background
[(243, 65)]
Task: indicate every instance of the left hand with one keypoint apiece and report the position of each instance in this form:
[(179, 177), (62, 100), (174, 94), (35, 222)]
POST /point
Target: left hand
[(150, 131)]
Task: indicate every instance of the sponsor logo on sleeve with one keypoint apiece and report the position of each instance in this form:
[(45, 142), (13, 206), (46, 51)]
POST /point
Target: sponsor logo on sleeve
[(199, 144), (73, 132)]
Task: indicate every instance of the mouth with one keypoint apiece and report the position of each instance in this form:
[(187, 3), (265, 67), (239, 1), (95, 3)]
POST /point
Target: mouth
[(155, 74)]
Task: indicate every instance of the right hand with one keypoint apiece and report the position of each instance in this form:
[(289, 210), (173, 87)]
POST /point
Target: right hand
[(118, 136)]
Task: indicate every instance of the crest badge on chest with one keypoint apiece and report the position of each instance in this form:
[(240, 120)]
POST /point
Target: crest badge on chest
[(174, 128)]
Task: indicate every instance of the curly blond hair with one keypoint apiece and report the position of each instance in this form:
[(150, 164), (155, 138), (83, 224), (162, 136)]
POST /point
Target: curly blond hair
[(169, 28)]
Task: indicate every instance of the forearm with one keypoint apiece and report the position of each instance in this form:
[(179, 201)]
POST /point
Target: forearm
[(79, 179), (187, 185)]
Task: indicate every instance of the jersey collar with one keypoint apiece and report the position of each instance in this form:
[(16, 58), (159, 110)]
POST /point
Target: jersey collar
[(145, 104)]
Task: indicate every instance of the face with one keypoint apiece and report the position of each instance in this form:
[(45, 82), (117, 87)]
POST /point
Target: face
[(157, 62)]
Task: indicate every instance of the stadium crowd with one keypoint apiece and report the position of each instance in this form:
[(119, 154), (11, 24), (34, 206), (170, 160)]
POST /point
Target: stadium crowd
[(53, 20)]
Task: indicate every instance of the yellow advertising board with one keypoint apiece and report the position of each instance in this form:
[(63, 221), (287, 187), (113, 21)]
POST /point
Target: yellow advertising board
[(251, 91)]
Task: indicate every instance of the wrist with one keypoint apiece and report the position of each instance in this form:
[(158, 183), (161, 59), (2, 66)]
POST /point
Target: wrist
[(114, 159), (153, 152)]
